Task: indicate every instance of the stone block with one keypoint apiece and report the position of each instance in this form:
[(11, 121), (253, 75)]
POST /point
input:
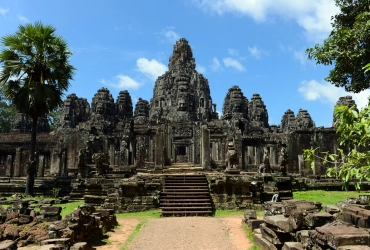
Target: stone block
[(279, 221), (59, 241), (354, 247), (318, 219), (80, 246), (253, 224), (250, 214), (303, 237), (263, 244), (336, 235), (57, 225), (331, 209), (275, 237), (8, 245), (292, 246)]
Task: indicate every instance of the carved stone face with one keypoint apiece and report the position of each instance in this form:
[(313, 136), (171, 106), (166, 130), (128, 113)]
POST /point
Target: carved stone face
[(100, 108), (182, 105)]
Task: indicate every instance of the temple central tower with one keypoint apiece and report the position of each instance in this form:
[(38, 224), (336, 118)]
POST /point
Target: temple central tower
[(181, 94)]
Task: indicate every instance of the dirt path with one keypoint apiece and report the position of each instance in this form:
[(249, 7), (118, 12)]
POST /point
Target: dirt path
[(180, 233)]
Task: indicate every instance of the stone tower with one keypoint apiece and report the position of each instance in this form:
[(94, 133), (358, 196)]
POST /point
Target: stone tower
[(181, 94)]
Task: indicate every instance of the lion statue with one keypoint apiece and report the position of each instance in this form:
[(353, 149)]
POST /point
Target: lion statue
[(231, 156)]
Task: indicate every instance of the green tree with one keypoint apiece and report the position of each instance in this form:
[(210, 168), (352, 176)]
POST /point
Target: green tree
[(352, 159), (7, 113), (36, 72), (347, 47)]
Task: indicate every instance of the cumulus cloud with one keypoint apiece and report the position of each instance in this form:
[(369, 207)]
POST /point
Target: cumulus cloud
[(201, 69), (255, 52), (313, 16), (150, 68), (122, 82), (170, 34), (328, 93), (216, 65), (3, 11), (23, 18), (233, 63)]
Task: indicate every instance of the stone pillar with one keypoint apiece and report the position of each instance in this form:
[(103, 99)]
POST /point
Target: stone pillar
[(205, 154), (9, 166), (239, 148), (257, 156), (159, 150), (24, 158), (41, 166), (250, 158), (112, 155), (55, 163), (273, 155), (301, 166), (63, 160), (17, 162)]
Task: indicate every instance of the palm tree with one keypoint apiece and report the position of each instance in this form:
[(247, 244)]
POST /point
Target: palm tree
[(36, 72)]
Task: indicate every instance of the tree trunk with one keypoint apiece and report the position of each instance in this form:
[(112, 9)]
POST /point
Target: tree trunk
[(31, 164)]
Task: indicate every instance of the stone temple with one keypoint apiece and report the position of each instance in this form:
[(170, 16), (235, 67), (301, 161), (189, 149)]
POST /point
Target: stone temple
[(178, 129)]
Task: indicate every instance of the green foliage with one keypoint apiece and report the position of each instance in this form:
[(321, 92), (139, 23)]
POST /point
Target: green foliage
[(54, 118), (55, 192), (7, 113), (347, 47), (325, 197), (350, 161)]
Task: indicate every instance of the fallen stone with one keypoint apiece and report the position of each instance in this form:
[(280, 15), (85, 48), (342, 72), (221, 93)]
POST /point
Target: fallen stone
[(263, 244), (279, 221), (292, 246), (253, 224), (80, 246), (8, 245), (275, 237)]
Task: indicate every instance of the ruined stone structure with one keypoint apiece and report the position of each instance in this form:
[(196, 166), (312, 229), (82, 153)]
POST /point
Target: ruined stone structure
[(179, 129), (179, 125)]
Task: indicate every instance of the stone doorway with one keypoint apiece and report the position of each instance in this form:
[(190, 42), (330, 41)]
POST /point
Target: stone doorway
[(182, 154)]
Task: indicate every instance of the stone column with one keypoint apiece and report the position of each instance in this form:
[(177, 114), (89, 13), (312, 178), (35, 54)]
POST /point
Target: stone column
[(250, 157), (9, 166), (273, 155), (257, 156), (17, 162), (112, 155), (41, 166), (205, 154), (159, 150), (301, 166), (55, 163)]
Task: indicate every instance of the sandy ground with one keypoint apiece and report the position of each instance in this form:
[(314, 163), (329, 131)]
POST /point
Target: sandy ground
[(180, 233)]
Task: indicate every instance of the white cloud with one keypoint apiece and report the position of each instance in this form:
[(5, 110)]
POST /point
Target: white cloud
[(300, 56), (216, 65), (255, 52), (151, 68), (170, 34), (123, 82), (233, 52), (201, 69), (3, 11), (328, 93), (233, 63), (23, 18), (313, 16)]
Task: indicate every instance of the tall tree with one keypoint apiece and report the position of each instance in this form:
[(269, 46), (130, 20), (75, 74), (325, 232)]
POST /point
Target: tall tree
[(36, 72), (347, 47)]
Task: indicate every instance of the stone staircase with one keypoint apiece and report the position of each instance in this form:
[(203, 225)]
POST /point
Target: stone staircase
[(178, 168), (185, 195)]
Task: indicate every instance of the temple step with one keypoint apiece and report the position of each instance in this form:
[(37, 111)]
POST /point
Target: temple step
[(185, 195)]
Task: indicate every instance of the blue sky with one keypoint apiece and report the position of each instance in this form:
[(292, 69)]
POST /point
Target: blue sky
[(257, 45)]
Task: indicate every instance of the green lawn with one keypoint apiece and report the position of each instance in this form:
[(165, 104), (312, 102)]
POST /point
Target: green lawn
[(326, 197)]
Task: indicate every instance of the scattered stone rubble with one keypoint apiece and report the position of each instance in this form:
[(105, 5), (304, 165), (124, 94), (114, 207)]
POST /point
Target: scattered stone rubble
[(298, 224), (22, 227)]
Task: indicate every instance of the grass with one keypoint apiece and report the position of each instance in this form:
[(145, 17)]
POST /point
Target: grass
[(326, 197), (156, 213), (69, 207), (134, 234)]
